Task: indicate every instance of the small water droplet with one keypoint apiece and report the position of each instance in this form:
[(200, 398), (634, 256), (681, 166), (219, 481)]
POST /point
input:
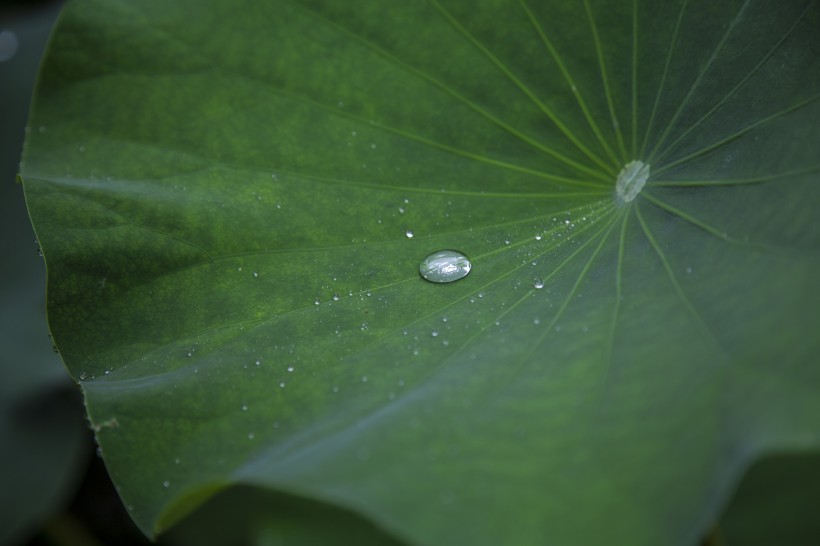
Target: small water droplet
[(251, 436), (166, 484), (364, 379), (255, 275), (538, 237), (336, 297), (689, 270), (434, 333), (282, 385), (258, 362), (538, 284), (536, 320), (401, 210), (244, 407), (316, 301), (445, 266), (291, 368), (409, 233)]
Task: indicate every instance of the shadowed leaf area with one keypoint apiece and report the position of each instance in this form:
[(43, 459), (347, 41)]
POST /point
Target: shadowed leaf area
[(225, 193)]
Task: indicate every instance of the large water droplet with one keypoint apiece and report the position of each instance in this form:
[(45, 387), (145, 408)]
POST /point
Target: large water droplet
[(631, 181), (445, 266)]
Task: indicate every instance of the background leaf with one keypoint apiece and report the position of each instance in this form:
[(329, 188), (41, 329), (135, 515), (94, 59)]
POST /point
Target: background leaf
[(224, 197)]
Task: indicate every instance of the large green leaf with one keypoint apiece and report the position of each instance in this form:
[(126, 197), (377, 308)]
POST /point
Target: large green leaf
[(223, 192)]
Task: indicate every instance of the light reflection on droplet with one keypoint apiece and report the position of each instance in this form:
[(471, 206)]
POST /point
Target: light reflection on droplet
[(445, 266)]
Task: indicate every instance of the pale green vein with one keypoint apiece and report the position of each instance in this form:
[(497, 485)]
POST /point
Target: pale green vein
[(396, 131), (616, 126), (733, 181), (696, 84), (673, 279), (523, 88), (584, 209), (722, 235), (737, 134), (598, 191), (443, 147), (574, 290), (486, 286), (450, 91), (570, 82), (662, 84), (672, 145), (616, 308), (557, 269)]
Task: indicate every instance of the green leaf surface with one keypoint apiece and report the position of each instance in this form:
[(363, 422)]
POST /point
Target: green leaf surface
[(224, 191)]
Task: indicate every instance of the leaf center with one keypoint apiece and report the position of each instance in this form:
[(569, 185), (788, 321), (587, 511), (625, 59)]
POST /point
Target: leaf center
[(630, 181)]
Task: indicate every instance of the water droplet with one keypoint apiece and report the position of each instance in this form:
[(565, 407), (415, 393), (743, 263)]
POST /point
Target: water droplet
[(166, 484), (364, 379), (445, 266), (336, 297), (538, 284), (365, 326), (251, 436), (688, 270), (255, 275), (316, 301), (291, 368), (434, 333), (409, 233), (282, 384), (258, 362), (538, 237), (244, 407), (631, 181)]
